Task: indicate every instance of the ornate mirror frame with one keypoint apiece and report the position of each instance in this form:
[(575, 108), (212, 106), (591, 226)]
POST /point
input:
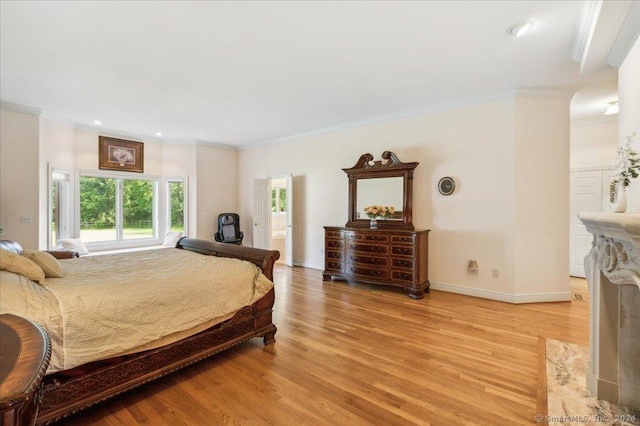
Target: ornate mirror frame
[(366, 168)]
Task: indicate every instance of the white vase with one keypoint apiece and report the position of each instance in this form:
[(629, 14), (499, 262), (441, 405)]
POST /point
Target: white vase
[(373, 224), (620, 204)]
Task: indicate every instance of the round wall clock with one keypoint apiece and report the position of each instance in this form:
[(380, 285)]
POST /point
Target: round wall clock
[(446, 185)]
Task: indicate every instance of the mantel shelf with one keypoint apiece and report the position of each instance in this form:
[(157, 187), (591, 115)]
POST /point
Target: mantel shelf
[(620, 226)]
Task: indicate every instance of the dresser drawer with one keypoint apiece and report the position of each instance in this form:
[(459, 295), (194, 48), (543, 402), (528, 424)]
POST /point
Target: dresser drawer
[(381, 274), (333, 255), (334, 265), (334, 234), (402, 251), (374, 237), (367, 248), (402, 276), (406, 239), (350, 235), (402, 263), (368, 260), (337, 244)]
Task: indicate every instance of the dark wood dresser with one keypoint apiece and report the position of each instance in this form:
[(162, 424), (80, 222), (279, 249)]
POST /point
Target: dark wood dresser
[(393, 257), (24, 357)]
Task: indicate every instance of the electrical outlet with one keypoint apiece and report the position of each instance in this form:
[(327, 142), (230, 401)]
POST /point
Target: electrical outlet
[(495, 273), (472, 266), (25, 219)]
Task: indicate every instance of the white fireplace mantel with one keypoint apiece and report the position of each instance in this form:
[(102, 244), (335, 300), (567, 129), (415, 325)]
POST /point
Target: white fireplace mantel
[(621, 226), (613, 271)]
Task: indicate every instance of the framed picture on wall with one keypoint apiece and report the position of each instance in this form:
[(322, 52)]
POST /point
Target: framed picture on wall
[(120, 154)]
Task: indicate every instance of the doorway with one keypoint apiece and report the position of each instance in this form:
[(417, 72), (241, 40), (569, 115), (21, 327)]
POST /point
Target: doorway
[(273, 216)]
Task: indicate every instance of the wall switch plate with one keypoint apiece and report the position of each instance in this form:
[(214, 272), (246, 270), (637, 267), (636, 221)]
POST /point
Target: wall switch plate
[(25, 219)]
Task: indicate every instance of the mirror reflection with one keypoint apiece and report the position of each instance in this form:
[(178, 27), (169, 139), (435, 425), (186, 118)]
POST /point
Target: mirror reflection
[(380, 192)]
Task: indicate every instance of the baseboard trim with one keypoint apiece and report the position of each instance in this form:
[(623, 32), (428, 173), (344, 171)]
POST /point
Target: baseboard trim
[(503, 297)]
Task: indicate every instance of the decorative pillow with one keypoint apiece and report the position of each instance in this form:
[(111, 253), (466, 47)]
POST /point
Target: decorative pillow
[(75, 244), (171, 239), (21, 265), (48, 263)]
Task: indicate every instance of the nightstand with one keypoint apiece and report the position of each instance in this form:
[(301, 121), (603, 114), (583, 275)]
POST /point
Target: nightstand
[(24, 357)]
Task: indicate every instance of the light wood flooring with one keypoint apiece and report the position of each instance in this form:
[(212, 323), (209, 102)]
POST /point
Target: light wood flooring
[(350, 354)]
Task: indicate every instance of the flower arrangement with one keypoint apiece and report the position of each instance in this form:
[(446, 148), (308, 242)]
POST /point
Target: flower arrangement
[(627, 167), (383, 212)]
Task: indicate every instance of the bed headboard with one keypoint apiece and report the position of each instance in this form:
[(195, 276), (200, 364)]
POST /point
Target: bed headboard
[(264, 259)]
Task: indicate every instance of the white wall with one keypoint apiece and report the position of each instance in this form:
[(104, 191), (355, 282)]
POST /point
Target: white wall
[(629, 116), (594, 143), (19, 182), (217, 188), (486, 219), (541, 249)]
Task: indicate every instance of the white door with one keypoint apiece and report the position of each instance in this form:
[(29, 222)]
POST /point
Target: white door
[(586, 196), (261, 213), (289, 241)]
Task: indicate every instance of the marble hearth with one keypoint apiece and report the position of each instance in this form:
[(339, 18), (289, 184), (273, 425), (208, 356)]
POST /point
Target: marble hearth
[(613, 272)]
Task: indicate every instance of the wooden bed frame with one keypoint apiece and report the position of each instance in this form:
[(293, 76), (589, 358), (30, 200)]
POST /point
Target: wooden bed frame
[(70, 391)]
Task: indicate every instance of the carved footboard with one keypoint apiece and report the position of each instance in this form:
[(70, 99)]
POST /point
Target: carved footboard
[(70, 391)]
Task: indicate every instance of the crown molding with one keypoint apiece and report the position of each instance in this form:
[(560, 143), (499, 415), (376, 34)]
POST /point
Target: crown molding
[(588, 12), (115, 133), (627, 37), (537, 93), (216, 145), (8, 106)]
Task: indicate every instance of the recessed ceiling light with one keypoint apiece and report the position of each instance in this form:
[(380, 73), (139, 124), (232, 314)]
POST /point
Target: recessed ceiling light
[(158, 134), (612, 109), (520, 29), (97, 122)]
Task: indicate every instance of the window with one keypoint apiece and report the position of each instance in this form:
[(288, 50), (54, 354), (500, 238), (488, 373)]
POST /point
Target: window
[(115, 209), (59, 205), (176, 212), (279, 200)]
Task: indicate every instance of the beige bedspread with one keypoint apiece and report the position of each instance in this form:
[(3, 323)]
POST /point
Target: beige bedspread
[(114, 304)]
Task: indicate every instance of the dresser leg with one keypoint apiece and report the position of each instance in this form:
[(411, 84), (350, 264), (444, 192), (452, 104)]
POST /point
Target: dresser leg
[(416, 294)]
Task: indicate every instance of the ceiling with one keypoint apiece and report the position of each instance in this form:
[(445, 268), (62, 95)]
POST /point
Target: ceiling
[(241, 73)]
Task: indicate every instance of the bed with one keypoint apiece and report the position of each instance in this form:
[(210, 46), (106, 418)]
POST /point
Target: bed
[(83, 372)]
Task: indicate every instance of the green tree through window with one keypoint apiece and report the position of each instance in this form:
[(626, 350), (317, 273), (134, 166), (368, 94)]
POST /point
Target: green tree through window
[(103, 200)]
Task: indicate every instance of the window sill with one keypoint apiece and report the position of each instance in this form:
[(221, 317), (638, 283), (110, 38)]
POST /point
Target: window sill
[(125, 250)]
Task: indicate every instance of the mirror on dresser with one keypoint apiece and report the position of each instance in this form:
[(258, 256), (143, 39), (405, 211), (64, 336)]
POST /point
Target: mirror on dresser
[(380, 191), (381, 183)]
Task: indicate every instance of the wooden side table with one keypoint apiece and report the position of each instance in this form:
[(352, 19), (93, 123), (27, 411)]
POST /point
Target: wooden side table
[(25, 351)]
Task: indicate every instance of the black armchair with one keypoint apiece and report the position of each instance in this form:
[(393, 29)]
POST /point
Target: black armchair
[(229, 229)]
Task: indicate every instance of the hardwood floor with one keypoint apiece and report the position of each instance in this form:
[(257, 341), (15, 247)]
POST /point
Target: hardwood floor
[(357, 354)]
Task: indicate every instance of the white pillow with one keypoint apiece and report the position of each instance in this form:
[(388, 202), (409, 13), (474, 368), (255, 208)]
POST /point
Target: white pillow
[(75, 244), (171, 239)]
